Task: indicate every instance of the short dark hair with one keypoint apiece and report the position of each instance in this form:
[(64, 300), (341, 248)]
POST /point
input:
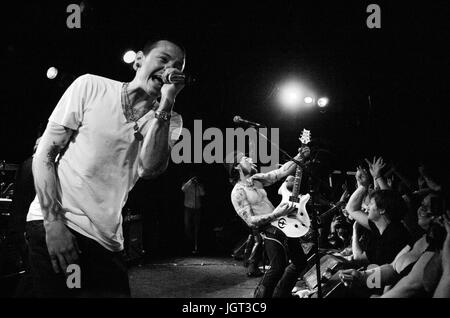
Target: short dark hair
[(153, 43), (233, 173), (391, 202)]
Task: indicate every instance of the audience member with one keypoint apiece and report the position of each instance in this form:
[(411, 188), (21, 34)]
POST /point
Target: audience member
[(385, 212)]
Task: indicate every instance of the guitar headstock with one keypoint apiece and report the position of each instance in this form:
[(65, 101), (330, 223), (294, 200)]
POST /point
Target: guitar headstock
[(305, 138)]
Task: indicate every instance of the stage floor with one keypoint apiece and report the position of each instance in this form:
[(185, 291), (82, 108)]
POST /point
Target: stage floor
[(192, 277)]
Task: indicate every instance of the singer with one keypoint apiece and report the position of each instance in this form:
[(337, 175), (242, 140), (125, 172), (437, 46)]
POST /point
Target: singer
[(100, 139)]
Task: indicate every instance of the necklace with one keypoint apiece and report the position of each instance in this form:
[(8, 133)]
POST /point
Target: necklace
[(247, 183), (129, 112)]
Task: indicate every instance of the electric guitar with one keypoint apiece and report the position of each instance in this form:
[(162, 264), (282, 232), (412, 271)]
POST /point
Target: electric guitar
[(298, 223)]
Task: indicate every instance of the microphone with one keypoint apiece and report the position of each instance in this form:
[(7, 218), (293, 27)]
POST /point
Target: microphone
[(176, 78), (240, 120)]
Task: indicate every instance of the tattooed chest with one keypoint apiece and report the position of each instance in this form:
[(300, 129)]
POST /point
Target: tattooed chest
[(255, 195)]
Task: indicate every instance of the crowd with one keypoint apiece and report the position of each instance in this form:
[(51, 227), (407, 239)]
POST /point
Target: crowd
[(393, 234)]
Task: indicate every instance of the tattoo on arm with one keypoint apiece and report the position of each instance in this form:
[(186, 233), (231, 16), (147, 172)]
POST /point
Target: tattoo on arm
[(244, 210), (287, 167), (52, 144), (51, 155), (275, 175)]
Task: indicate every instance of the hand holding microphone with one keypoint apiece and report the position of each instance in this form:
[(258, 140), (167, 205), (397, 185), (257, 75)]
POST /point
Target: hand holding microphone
[(175, 76), (174, 80)]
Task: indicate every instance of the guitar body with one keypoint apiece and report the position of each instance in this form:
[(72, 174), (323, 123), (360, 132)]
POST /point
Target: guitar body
[(298, 224)]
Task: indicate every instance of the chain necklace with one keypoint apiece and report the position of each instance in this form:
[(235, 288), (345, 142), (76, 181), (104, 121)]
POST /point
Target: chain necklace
[(129, 112)]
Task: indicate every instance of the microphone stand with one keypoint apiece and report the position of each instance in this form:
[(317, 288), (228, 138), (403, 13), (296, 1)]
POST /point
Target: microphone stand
[(314, 213), (315, 228)]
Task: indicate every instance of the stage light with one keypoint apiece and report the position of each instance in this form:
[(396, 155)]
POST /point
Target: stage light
[(52, 72), (129, 57), (290, 95), (308, 100), (322, 102)]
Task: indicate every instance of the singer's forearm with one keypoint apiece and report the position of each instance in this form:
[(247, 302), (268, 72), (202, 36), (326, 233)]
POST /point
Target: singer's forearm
[(155, 152), (46, 189), (154, 156), (53, 141)]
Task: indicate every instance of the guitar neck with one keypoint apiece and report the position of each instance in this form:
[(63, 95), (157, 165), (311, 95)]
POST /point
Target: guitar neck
[(304, 139), (297, 181)]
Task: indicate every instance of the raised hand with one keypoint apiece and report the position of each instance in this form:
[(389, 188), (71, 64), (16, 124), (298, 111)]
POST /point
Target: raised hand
[(303, 153), (345, 194), (376, 166), (362, 177), (170, 91)]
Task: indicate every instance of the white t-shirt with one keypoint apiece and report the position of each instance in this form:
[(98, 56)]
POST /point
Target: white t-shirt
[(100, 165)]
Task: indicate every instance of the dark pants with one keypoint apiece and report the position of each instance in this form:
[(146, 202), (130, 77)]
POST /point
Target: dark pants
[(281, 277), (253, 251), (103, 273), (192, 222)]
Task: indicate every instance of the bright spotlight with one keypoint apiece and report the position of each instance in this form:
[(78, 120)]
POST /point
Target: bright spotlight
[(322, 102), (290, 94), (52, 72), (308, 100), (129, 57)]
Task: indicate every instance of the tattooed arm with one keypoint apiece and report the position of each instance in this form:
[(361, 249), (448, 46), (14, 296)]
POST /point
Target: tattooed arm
[(244, 210), (61, 243), (285, 170)]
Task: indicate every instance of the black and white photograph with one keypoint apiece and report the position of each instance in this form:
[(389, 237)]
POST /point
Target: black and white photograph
[(221, 154)]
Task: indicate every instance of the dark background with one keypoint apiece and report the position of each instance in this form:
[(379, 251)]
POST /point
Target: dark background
[(240, 52)]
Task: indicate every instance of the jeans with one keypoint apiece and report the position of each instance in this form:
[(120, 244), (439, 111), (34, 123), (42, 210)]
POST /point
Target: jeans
[(102, 273), (281, 278), (253, 251)]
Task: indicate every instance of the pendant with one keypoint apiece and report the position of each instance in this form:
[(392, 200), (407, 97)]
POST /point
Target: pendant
[(137, 134)]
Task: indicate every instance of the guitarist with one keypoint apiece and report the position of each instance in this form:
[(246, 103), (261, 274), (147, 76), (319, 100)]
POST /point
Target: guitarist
[(251, 203)]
